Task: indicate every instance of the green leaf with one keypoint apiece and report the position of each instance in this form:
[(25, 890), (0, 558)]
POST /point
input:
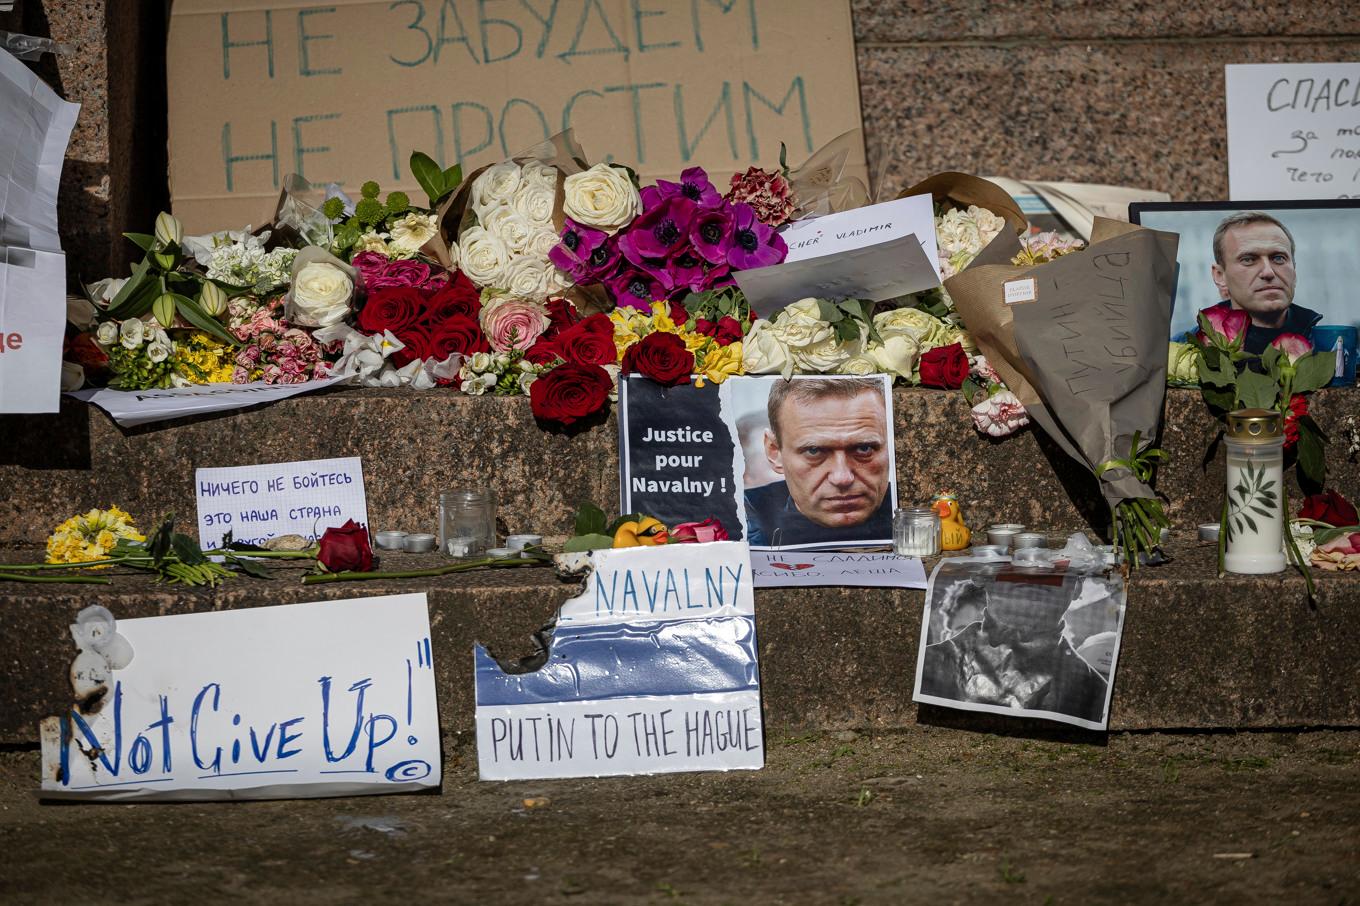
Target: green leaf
[(589, 542), (1216, 370), (159, 543), (590, 519), (251, 567), (1312, 455), (129, 289), (453, 178), (143, 241), (428, 174), (829, 311), (1314, 371), (1256, 391), (186, 550), (195, 315)]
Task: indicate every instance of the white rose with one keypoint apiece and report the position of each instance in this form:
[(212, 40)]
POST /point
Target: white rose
[(858, 364), (412, 231), (527, 277), (540, 175), (927, 330), (535, 203), (371, 242), (131, 333), (800, 324), (107, 334), (157, 351), (525, 380), (896, 355), (511, 227), (602, 197), (321, 293), (543, 242), (825, 356), (483, 257), (763, 352), (496, 185), (455, 254)]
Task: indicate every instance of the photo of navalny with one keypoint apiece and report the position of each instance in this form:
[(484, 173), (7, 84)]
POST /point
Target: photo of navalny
[(1254, 271), (819, 462)]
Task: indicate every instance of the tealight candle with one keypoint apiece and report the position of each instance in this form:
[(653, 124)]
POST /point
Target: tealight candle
[(1030, 539), (520, 542), (419, 543), (390, 541), (500, 553), (1004, 533)]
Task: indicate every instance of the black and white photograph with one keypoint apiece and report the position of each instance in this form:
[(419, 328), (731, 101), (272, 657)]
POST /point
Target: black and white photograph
[(1023, 642), (1290, 265), (817, 460)]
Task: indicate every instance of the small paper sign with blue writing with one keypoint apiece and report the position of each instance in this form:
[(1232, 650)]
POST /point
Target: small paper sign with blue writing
[(335, 698), (256, 503), (651, 670)]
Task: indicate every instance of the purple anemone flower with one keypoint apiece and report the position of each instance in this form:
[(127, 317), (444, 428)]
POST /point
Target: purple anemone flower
[(694, 185), (686, 269), (710, 232), (753, 243), (633, 288), (573, 254), (717, 277), (659, 232)]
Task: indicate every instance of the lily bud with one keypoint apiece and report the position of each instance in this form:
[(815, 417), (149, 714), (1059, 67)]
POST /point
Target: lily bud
[(168, 229), (213, 299), (164, 309)]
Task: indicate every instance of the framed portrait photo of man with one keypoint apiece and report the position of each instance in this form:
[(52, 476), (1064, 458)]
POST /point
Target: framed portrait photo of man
[(1291, 265), (806, 462)]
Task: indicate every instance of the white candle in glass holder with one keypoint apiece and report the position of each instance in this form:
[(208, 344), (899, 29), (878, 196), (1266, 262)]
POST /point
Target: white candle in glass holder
[(1255, 542)]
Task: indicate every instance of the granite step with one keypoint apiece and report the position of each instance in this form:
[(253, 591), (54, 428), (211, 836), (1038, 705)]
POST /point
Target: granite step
[(1198, 653), (414, 445)]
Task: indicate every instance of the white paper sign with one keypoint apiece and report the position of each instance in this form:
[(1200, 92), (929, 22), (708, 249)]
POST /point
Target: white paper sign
[(651, 670), (139, 407), (835, 234), (256, 503), (790, 569), (877, 252), (325, 699), (36, 127), (1293, 130)]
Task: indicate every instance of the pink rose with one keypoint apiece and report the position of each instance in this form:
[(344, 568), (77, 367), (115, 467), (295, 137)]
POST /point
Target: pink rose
[(699, 532), (369, 264), (240, 375), (1230, 324), (1000, 414), (399, 273), (513, 323), (1293, 346)]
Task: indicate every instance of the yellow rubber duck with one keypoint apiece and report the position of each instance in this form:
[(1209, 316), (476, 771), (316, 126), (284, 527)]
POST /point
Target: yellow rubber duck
[(644, 532), (954, 535)]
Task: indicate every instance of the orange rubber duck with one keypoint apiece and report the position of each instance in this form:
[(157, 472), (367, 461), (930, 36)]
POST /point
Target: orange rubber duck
[(954, 535)]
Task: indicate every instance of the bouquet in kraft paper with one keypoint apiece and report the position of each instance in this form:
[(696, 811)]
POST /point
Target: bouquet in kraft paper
[(1080, 341)]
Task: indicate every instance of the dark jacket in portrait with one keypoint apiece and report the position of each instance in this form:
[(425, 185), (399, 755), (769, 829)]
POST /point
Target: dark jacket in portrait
[(773, 520)]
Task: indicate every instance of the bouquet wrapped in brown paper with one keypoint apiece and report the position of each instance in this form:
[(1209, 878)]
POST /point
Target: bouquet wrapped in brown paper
[(1081, 340)]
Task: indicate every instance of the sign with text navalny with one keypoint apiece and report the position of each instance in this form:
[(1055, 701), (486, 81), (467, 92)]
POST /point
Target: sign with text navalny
[(344, 91)]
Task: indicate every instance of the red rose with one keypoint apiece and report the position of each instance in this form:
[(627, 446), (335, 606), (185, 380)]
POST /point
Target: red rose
[(562, 315), (944, 367), (661, 357), (391, 309), (458, 334), (542, 352), (728, 330), (1298, 407), (345, 548), (679, 314), (416, 342), (570, 392), (457, 297), (1331, 508), (589, 342), (85, 352)]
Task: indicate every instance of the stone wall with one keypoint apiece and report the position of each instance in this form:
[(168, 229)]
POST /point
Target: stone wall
[(1129, 93)]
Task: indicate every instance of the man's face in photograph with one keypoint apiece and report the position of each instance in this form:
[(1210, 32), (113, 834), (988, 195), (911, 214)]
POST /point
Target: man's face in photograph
[(833, 453), (1257, 272)]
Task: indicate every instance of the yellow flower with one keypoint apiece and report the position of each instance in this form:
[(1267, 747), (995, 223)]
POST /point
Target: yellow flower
[(721, 363), (696, 342), (661, 318), (202, 359), (92, 536)]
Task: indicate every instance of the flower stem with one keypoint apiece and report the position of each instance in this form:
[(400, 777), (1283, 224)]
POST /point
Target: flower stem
[(319, 578), (70, 580), (15, 567)]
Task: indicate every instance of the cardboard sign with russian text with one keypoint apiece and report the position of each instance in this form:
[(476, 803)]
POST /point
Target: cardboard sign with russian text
[(344, 91)]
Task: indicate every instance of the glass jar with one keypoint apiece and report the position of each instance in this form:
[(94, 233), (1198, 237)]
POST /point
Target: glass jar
[(916, 532), (1255, 542), (467, 522)]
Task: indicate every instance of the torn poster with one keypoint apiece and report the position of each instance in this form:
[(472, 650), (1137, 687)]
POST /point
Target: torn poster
[(32, 266), (335, 698), (651, 670)]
